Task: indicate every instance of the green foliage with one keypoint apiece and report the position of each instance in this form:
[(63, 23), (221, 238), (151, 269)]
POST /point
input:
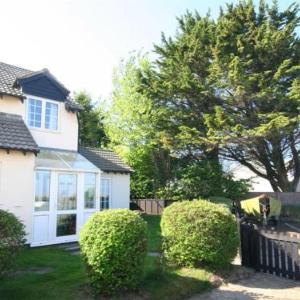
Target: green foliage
[(91, 128), (203, 179), (113, 244), (255, 69), (199, 232), (131, 126), (12, 239), (226, 88), (230, 87)]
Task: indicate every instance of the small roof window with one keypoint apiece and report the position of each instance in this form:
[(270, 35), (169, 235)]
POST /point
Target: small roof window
[(63, 160)]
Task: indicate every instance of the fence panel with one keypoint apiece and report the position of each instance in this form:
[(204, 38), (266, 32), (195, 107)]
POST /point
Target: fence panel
[(269, 251), (150, 206)]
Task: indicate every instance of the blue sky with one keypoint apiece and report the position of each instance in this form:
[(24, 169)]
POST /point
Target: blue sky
[(81, 41)]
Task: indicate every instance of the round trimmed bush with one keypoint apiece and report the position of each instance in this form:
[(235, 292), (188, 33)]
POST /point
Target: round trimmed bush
[(113, 244), (12, 239), (199, 233)]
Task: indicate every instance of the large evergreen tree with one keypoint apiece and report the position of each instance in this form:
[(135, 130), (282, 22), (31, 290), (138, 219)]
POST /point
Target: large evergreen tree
[(231, 87), (256, 70), (181, 88)]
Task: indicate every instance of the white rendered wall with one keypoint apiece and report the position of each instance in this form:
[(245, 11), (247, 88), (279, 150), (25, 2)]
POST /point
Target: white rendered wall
[(120, 189), (17, 186)]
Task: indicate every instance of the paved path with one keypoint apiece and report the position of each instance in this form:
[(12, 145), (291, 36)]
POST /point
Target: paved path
[(259, 286)]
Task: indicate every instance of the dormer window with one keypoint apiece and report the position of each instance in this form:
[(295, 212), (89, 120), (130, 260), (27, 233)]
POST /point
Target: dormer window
[(42, 114), (34, 113), (51, 116)]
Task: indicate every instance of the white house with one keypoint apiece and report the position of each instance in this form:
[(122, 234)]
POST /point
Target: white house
[(46, 180)]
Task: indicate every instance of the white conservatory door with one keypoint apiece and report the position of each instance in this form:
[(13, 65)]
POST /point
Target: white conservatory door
[(66, 214)]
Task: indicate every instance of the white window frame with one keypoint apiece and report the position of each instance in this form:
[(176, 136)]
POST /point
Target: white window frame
[(95, 199), (35, 185), (110, 193), (43, 121)]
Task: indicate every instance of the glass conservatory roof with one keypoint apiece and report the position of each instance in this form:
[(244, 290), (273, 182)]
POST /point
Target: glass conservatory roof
[(61, 159)]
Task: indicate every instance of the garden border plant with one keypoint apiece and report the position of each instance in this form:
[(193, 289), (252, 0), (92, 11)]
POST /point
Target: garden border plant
[(197, 233), (12, 240), (114, 247)]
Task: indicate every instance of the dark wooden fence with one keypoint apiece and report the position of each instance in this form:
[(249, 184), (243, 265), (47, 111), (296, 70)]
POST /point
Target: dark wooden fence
[(150, 206), (156, 206), (269, 251)]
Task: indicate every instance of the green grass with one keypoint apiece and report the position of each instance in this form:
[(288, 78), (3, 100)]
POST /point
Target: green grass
[(173, 283), (63, 282), (67, 278), (154, 234)]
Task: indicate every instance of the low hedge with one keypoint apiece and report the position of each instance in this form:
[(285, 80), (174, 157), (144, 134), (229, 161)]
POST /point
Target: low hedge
[(12, 239), (199, 233), (113, 244)]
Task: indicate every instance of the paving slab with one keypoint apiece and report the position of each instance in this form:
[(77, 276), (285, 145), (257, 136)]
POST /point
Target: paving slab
[(259, 286)]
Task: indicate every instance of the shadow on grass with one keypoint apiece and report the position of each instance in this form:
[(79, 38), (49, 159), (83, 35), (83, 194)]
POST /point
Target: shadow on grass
[(172, 283)]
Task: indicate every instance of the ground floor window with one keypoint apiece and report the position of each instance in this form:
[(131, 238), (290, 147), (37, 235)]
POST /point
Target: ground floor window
[(42, 190), (66, 224), (67, 192), (105, 193), (89, 190)]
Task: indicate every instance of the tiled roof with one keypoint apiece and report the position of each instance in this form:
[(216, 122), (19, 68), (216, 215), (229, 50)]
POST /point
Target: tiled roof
[(73, 106), (14, 134), (105, 160), (8, 76)]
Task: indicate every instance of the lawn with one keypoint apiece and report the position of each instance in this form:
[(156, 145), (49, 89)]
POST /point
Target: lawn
[(154, 236), (63, 277)]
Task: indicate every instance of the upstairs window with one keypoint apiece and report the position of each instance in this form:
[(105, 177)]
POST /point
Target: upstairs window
[(42, 114), (51, 116), (35, 113)]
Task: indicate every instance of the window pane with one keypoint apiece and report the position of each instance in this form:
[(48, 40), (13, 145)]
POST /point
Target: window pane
[(105, 194), (67, 195), (34, 113), (66, 224), (51, 116), (42, 190), (89, 190)]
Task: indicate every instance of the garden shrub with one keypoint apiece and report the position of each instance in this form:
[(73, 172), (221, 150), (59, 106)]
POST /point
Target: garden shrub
[(12, 239), (199, 233), (113, 244)]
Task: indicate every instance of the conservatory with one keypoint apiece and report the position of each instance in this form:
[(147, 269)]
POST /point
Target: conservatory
[(67, 190)]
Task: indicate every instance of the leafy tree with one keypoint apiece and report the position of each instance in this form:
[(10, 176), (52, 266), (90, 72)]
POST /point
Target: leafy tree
[(203, 179), (256, 71), (131, 127), (91, 128)]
